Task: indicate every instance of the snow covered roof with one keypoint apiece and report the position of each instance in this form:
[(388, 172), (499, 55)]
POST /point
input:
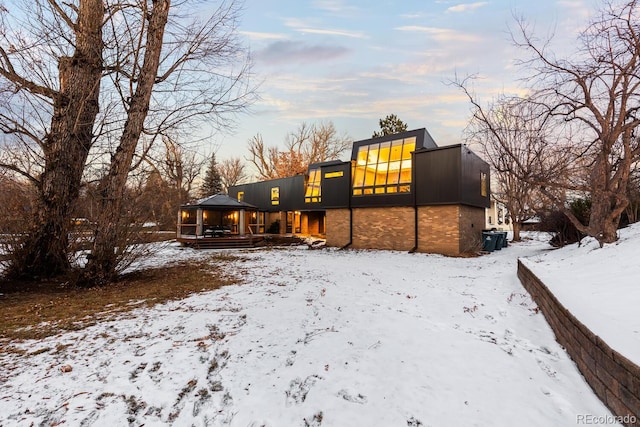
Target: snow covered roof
[(221, 201)]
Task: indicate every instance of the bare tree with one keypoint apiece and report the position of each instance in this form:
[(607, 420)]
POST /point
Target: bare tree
[(307, 145), (180, 168), (231, 173), (170, 62), (514, 139), (95, 83), (51, 69), (597, 93)]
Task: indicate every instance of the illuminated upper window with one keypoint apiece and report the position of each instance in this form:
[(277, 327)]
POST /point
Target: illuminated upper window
[(275, 195), (313, 191), (483, 184), (384, 167)]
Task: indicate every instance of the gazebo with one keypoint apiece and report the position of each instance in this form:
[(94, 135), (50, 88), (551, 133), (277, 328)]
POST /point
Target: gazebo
[(217, 221)]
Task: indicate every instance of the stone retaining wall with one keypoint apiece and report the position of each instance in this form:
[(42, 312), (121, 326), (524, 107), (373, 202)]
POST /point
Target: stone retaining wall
[(613, 377)]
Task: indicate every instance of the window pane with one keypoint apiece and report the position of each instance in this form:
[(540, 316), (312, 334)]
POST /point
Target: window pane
[(373, 154), (409, 146), (362, 155), (358, 180), (396, 150), (385, 148), (381, 176), (405, 175), (368, 191), (394, 170), (370, 176), (357, 192), (392, 189), (483, 184), (379, 190)]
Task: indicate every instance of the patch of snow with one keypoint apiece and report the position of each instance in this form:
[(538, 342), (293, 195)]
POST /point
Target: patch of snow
[(599, 286), (314, 337)]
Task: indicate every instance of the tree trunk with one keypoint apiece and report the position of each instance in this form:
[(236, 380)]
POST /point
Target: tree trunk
[(66, 148), (110, 236), (517, 226), (608, 201)]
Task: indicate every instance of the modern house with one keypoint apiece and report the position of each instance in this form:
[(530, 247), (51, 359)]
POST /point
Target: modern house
[(398, 192)]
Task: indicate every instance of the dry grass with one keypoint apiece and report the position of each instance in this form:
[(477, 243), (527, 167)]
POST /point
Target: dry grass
[(38, 310)]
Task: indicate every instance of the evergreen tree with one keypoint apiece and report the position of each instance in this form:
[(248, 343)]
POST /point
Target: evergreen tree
[(212, 181), (390, 125)]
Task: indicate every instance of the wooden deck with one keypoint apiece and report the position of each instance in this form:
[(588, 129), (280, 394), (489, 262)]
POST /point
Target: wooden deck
[(247, 241)]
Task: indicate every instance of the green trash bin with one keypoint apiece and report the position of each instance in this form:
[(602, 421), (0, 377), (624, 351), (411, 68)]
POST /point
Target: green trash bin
[(499, 240), (489, 241), (505, 239)]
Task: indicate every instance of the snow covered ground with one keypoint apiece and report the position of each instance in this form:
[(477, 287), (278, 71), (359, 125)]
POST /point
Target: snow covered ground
[(316, 338), (600, 286)]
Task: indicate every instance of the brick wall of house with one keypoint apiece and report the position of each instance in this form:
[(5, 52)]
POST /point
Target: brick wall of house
[(472, 221), (613, 377), (337, 227), (438, 229), (447, 229), (389, 228)]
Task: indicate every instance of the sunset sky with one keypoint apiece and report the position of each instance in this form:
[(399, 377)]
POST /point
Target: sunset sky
[(353, 62)]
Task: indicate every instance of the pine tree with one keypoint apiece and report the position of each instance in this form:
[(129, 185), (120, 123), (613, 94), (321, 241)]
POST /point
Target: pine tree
[(212, 181), (390, 125)]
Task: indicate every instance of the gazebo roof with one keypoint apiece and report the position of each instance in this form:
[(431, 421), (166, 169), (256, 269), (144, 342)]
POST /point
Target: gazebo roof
[(220, 201)]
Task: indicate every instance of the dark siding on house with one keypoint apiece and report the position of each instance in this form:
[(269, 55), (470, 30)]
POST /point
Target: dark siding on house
[(383, 200), (335, 191), (472, 169), (291, 197), (437, 176), (450, 175)]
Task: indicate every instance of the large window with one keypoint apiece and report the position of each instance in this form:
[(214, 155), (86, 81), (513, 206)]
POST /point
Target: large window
[(384, 167), (313, 191)]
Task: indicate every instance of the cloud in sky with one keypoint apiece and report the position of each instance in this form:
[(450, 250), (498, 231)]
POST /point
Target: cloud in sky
[(441, 34), (262, 36), (353, 62), (334, 6), (466, 7), (333, 32), (288, 52), (314, 27)]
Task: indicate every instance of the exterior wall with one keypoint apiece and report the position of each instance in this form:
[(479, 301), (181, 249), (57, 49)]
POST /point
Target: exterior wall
[(613, 377), (448, 229), (389, 228), (439, 229), (337, 223), (471, 222)]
